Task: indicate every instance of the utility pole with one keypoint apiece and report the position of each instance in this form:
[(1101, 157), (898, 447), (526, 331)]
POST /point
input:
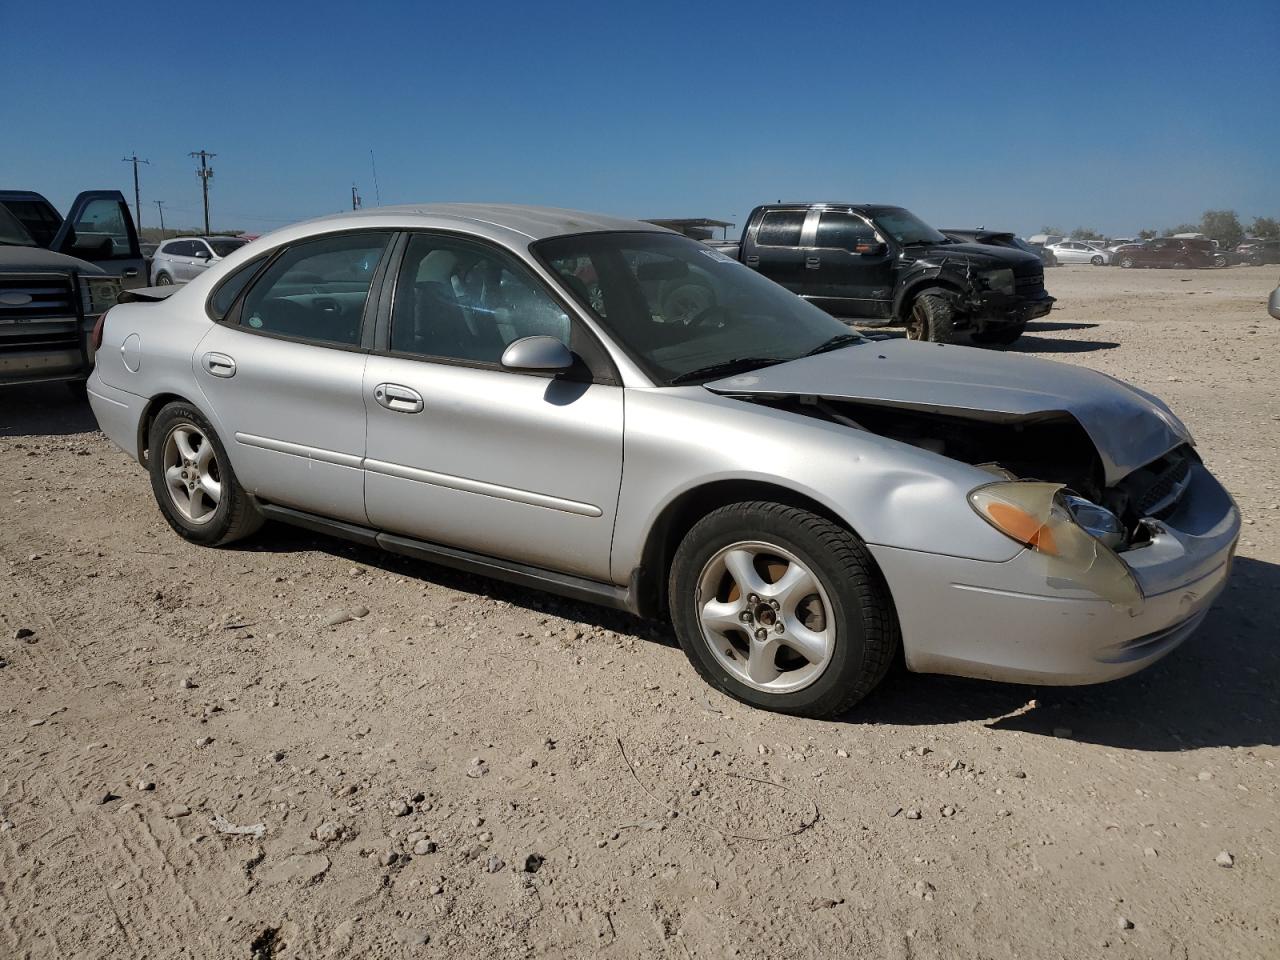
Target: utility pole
[(205, 173), (137, 202), (160, 207), (355, 198)]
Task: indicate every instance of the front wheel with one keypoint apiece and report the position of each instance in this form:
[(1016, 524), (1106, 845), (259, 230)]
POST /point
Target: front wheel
[(931, 318), (782, 609), (1127, 263), (163, 280), (193, 482)]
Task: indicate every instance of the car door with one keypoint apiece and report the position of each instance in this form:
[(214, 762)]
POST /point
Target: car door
[(774, 248), (201, 256), (283, 374), (465, 453), (99, 228), (853, 266)]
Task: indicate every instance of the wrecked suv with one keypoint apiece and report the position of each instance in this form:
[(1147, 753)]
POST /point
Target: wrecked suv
[(501, 389)]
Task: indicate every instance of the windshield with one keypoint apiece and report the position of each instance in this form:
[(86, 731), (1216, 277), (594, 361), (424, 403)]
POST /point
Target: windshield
[(678, 307), (905, 227), (12, 232), (223, 246)]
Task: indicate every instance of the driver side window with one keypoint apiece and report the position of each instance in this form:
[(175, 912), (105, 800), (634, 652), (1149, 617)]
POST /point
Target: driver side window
[(316, 290)]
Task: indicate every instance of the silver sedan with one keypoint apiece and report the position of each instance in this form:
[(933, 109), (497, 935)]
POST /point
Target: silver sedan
[(1077, 251), (498, 388)]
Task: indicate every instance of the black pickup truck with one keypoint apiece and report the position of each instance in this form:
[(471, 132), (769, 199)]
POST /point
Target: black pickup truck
[(882, 265)]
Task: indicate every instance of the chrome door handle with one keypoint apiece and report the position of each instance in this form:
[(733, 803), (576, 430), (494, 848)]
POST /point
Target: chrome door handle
[(219, 364), (400, 399), (131, 273)]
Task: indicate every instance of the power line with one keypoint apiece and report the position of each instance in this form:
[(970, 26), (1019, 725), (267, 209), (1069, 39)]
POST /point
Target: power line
[(205, 173), (137, 202)]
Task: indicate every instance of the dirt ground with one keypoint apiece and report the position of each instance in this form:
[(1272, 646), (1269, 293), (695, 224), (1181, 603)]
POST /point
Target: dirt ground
[(467, 769)]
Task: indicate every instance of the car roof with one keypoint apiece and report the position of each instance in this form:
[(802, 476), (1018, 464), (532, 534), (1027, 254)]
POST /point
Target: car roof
[(532, 222)]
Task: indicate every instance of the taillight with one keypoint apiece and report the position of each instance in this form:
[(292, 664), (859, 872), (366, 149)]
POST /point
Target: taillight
[(96, 338)]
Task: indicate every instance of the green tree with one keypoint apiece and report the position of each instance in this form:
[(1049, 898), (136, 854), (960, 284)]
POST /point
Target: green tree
[(1223, 226), (1052, 231), (1148, 234), (1085, 233), (1265, 228)]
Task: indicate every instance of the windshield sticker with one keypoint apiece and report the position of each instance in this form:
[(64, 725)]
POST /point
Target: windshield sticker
[(716, 255)]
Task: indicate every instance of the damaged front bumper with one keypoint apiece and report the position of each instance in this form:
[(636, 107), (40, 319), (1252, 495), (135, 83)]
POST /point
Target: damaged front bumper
[(992, 310), (1007, 621)]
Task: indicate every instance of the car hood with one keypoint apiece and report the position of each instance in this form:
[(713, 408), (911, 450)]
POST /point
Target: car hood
[(40, 260), (982, 254), (1129, 427)]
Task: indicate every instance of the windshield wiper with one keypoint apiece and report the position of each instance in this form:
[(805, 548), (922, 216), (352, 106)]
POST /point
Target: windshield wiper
[(835, 343), (726, 367)]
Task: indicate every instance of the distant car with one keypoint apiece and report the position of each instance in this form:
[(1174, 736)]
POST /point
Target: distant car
[(185, 258), (1077, 251), (1273, 305), (998, 238), (1259, 252), (1168, 252)]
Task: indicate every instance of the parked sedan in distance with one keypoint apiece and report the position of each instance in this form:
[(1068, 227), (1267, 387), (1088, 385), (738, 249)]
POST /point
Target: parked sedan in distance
[(1168, 252), (450, 381), (1077, 251), (1259, 252), (184, 258)]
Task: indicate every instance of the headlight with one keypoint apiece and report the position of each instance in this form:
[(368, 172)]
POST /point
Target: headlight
[(1001, 281), (99, 294), (1071, 536)]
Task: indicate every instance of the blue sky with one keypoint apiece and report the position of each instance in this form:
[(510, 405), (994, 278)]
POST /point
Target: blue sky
[(1114, 115)]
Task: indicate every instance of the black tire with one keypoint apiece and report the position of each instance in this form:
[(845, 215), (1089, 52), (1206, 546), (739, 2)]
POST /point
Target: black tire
[(866, 639), (931, 318), (1127, 263), (163, 280), (1000, 336), (1096, 261), (235, 517)]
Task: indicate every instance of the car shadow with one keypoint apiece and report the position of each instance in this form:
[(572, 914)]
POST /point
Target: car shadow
[(43, 409), (1033, 344), (1218, 689), (1045, 325)]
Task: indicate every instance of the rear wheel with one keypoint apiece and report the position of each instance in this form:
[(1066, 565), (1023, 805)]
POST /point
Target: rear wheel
[(1096, 261), (931, 318), (1127, 263), (782, 609), (193, 482)]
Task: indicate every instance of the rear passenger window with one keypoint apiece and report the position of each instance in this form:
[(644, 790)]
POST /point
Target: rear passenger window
[(780, 228), (843, 231), (316, 290)]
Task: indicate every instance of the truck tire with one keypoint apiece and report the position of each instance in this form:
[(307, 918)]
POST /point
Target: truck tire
[(931, 318), (782, 609)]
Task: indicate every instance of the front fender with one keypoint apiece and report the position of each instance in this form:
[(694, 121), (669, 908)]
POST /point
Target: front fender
[(887, 492)]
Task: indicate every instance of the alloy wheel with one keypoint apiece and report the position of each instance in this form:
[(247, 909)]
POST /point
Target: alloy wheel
[(765, 617), (918, 322), (191, 472)]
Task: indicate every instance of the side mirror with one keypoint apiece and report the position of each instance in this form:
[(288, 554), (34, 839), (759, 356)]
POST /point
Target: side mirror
[(871, 249), (541, 354), (201, 254)]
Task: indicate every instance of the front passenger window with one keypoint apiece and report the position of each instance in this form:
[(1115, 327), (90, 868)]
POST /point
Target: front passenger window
[(457, 300), (316, 290)]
